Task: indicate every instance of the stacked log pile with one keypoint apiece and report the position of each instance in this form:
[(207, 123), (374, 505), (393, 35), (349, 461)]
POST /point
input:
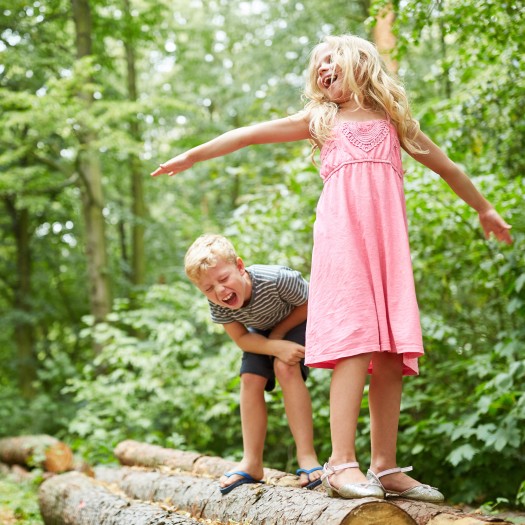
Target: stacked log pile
[(160, 486), (188, 481)]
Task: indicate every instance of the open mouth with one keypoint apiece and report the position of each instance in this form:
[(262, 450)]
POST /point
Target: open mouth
[(230, 299), (329, 80)]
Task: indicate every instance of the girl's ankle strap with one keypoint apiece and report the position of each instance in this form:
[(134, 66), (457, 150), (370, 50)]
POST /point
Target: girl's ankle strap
[(394, 470), (332, 469)]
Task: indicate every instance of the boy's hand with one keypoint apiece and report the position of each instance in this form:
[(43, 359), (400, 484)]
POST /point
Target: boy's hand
[(173, 166), (289, 352), (492, 222)]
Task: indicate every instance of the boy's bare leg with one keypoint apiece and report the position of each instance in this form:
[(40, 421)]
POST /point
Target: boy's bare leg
[(298, 407), (386, 385), (254, 422), (346, 392)]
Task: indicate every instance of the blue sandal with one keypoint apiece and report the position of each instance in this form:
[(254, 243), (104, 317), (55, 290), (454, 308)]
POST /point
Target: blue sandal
[(246, 478), (311, 484)]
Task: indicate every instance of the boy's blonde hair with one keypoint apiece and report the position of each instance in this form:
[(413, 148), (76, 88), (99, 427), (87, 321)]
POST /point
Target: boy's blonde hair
[(204, 254), (370, 84)]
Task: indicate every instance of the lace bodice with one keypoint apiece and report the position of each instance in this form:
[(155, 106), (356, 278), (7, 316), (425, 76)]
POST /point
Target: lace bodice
[(357, 142)]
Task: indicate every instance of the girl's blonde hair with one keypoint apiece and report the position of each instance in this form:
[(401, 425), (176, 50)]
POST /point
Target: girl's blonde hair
[(369, 84), (205, 252)]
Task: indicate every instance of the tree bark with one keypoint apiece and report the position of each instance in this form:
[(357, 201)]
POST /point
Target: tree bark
[(24, 332), (257, 504), (91, 183), (42, 451), (135, 453), (384, 37), (75, 499), (138, 258)]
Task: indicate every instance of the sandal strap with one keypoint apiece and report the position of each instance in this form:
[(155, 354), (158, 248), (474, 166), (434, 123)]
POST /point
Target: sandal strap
[(394, 470), (328, 469)]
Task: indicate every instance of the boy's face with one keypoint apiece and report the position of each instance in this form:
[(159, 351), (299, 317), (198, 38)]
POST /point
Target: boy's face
[(226, 284)]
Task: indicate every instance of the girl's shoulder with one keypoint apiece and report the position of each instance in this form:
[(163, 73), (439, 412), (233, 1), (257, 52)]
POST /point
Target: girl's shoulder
[(304, 116), (359, 116)]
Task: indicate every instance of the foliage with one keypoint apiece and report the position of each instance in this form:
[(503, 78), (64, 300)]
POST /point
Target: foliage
[(148, 380), (164, 373), (472, 382), (19, 502)]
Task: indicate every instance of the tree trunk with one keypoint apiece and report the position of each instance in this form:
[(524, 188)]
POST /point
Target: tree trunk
[(91, 184), (138, 259), (445, 77), (75, 499), (257, 504), (134, 453), (24, 332), (384, 38), (138, 483), (42, 451)]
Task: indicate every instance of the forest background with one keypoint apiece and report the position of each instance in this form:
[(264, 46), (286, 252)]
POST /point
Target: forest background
[(102, 338)]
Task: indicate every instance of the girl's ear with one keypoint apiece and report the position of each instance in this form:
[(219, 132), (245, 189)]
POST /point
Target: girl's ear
[(240, 266)]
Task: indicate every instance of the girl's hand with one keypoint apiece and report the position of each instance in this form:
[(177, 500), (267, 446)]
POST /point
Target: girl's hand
[(492, 222), (173, 166)]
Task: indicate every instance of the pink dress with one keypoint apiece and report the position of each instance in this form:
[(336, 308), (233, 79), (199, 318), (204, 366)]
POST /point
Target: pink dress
[(362, 296)]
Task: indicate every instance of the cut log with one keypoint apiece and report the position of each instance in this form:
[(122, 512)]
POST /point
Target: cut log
[(430, 514), (260, 504), (134, 453), (76, 499), (41, 451), (257, 504)]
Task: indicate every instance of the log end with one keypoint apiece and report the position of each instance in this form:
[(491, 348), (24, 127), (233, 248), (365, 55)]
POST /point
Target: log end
[(42, 451), (378, 512), (59, 458)]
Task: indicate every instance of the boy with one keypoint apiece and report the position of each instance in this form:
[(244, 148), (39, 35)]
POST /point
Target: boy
[(263, 309)]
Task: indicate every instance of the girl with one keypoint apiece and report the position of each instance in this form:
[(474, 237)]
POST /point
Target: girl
[(362, 315)]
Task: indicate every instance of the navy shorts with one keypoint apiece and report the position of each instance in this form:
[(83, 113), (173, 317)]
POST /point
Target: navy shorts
[(262, 365)]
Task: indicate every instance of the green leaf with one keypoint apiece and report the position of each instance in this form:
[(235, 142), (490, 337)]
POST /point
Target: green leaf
[(463, 453)]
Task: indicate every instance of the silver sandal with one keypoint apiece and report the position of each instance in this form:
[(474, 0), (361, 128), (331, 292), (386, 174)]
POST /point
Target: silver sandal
[(419, 493), (372, 489)]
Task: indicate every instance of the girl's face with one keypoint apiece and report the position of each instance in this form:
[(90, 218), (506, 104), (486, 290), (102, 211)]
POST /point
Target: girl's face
[(226, 284), (329, 76)]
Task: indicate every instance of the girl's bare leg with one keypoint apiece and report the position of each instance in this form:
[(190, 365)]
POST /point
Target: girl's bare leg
[(386, 385), (346, 393)]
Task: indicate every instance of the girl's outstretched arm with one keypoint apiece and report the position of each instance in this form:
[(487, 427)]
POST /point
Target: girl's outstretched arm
[(463, 187), (287, 129)]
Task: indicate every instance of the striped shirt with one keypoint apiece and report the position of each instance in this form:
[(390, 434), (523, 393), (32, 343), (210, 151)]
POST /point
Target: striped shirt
[(276, 291)]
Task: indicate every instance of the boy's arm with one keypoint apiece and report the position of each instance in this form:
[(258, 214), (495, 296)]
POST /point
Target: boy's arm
[(289, 129), (288, 351), (463, 187), (295, 318)]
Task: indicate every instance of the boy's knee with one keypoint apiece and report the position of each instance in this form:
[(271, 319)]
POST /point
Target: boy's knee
[(253, 381), (285, 372)]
